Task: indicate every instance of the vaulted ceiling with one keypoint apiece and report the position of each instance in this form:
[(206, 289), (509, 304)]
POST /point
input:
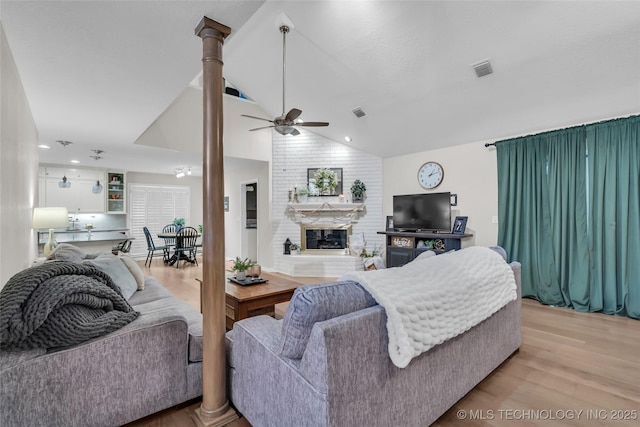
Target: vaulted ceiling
[(102, 73)]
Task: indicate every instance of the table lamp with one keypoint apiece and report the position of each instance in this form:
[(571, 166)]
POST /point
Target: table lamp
[(50, 218)]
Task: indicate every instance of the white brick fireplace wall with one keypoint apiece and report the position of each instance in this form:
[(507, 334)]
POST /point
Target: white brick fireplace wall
[(292, 155)]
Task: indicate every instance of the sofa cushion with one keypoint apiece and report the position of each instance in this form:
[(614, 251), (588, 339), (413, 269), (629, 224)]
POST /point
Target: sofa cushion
[(148, 300), (119, 273), (134, 269), (316, 303), (153, 290), (67, 252)]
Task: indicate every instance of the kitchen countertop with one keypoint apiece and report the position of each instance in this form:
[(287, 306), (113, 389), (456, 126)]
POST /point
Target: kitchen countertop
[(77, 236), (84, 230)]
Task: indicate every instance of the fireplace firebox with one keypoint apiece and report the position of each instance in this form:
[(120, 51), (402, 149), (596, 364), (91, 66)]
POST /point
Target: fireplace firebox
[(324, 239)]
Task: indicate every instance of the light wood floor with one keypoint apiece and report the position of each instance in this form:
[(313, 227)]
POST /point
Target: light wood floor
[(568, 362)]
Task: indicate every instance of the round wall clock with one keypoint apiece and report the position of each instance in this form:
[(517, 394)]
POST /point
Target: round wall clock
[(430, 175)]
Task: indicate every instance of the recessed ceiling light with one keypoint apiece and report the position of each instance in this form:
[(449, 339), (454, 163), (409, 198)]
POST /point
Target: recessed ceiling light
[(43, 146), (347, 138), (75, 161)]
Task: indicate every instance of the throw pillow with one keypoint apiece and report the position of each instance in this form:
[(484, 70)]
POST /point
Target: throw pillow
[(316, 303), (134, 269), (67, 252), (119, 273)]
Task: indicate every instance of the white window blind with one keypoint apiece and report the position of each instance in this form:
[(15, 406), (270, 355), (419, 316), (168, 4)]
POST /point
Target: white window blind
[(154, 206)]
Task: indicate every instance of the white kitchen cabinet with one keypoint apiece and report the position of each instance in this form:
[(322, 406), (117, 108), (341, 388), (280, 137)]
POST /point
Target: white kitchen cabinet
[(78, 198)]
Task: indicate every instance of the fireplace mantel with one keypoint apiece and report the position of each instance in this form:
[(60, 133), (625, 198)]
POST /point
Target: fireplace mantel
[(326, 207), (325, 213)]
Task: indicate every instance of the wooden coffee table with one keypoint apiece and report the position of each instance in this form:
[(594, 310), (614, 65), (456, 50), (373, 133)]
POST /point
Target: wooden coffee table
[(253, 300)]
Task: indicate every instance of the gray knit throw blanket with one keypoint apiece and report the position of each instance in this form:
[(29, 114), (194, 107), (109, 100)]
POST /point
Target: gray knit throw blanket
[(59, 304)]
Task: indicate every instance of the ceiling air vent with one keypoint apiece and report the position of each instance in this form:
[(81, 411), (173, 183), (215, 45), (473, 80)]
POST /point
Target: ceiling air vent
[(483, 68), (359, 112)]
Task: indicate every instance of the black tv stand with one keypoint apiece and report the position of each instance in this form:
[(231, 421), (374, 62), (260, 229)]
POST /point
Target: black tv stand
[(405, 246)]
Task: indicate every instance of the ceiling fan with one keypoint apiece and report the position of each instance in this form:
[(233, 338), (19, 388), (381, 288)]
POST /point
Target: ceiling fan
[(285, 124)]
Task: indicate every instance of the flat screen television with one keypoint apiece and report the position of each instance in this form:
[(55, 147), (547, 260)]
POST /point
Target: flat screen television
[(430, 212)]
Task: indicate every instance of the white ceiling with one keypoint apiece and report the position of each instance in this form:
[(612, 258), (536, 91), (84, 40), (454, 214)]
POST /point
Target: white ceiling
[(99, 73)]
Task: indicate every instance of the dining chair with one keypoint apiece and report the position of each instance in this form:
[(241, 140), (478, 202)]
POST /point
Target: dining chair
[(152, 248), (186, 245), (169, 242)]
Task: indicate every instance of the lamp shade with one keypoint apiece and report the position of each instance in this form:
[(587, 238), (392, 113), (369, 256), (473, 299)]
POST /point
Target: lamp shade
[(50, 218)]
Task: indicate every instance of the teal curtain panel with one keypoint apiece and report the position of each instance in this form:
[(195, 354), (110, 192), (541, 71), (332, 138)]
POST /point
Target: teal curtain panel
[(569, 209)]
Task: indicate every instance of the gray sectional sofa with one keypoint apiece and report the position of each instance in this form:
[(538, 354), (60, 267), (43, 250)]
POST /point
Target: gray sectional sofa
[(338, 372), (150, 364)]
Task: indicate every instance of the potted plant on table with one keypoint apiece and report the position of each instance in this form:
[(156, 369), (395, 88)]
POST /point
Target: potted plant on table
[(179, 223), (358, 190), (240, 266)]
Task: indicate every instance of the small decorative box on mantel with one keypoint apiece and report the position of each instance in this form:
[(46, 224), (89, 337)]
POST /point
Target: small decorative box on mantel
[(401, 242)]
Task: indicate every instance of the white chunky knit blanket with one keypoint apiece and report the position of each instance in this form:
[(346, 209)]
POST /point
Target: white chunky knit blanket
[(432, 299)]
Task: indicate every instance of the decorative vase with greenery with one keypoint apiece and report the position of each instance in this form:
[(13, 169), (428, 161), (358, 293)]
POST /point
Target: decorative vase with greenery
[(295, 249), (240, 266), (358, 190), (179, 223), (303, 194), (326, 181)]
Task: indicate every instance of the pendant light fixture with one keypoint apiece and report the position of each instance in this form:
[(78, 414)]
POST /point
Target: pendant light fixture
[(97, 187), (64, 182)]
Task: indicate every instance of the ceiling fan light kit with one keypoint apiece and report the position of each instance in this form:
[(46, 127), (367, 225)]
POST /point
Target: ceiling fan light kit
[(285, 124)]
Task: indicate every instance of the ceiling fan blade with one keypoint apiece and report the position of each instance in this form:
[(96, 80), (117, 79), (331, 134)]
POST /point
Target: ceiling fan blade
[(254, 117), (263, 127), (295, 132), (293, 114), (313, 124)]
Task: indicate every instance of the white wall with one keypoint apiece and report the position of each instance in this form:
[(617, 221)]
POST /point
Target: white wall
[(18, 170), (469, 171), (259, 172), (292, 155)]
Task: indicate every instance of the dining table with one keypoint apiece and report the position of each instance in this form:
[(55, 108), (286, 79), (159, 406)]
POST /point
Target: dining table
[(174, 258)]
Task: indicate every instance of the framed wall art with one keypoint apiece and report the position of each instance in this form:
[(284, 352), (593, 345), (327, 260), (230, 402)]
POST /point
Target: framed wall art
[(324, 181)]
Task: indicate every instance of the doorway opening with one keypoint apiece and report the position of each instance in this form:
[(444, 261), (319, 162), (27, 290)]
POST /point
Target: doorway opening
[(250, 221)]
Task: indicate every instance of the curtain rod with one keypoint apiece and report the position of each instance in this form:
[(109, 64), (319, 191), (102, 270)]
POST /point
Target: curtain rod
[(493, 144)]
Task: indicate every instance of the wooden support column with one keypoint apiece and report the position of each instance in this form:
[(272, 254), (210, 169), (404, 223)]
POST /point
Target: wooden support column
[(215, 410)]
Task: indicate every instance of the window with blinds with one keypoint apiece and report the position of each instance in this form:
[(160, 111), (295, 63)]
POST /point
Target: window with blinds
[(154, 206)]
